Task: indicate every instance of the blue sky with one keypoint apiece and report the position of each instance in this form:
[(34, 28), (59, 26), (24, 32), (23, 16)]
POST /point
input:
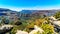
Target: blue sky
[(30, 4)]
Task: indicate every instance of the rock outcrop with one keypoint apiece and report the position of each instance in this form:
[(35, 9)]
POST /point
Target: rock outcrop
[(5, 28), (37, 29), (56, 23)]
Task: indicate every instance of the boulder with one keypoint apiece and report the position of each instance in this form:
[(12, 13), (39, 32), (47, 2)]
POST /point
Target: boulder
[(5, 28), (37, 29)]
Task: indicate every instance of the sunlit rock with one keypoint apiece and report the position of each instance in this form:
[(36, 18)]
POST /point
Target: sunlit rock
[(54, 21), (36, 29), (21, 32), (52, 18), (5, 28)]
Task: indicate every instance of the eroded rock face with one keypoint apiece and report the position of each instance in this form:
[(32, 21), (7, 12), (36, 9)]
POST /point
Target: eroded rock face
[(5, 28)]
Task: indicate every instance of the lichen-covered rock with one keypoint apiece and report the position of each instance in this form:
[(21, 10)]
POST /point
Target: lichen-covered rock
[(5, 28)]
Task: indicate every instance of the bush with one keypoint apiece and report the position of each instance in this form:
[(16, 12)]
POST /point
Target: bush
[(57, 15), (14, 30), (48, 29)]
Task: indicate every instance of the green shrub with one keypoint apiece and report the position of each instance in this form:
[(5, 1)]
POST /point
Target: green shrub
[(48, 29)]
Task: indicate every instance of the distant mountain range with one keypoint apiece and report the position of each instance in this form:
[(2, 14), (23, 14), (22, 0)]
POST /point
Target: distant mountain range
[(3, 11), (47, 12)]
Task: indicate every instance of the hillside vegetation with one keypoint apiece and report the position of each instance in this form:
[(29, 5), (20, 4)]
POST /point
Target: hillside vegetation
[(28, 24)]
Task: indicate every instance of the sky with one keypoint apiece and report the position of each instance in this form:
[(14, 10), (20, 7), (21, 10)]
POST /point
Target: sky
[(30, 4)]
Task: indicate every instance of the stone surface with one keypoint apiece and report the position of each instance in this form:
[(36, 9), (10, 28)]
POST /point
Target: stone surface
[(21, 32), (37, 29), (5, 28)]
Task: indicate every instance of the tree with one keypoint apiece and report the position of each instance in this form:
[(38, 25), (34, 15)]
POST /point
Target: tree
[(57, 15), (18, 23), (3, 20)]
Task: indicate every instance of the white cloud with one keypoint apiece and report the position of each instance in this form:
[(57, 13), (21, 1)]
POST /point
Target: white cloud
[(32, 8)]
